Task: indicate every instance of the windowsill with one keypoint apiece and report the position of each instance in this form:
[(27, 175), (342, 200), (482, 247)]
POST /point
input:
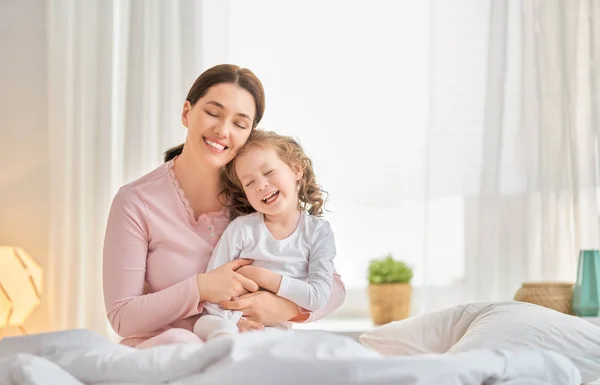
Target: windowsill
[(338, 325)]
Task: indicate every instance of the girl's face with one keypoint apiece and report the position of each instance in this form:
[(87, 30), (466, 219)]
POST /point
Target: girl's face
[(269, 183), (219, 123)]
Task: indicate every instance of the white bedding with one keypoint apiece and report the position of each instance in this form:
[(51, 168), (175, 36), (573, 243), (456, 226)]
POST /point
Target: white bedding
[(268, 357)]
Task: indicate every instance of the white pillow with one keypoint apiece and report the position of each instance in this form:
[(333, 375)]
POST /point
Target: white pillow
[(500, 325), (431, 333), (509, 325)]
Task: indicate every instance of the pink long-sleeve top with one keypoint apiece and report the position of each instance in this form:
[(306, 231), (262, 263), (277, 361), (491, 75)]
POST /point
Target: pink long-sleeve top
[(153, 249)]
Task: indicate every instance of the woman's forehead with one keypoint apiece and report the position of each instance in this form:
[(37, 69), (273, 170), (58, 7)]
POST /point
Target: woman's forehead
[(232, 98)]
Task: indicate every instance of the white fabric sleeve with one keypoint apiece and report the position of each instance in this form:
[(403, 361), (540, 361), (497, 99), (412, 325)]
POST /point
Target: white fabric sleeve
[(313, 293), (227, 249)]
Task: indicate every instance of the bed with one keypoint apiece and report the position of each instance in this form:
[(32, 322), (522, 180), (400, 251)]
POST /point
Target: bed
[(449, 347)]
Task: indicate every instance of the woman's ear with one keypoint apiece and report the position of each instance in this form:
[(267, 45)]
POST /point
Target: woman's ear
[(187, 107)]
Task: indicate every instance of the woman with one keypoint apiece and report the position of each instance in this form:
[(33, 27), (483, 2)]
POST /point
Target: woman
[(163, 227)]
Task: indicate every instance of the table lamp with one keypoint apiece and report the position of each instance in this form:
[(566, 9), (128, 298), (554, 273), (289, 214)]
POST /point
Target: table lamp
[(20, 287)]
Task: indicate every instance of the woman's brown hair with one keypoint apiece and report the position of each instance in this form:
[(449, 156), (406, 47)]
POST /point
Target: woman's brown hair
[(310, 194), (224, 73)]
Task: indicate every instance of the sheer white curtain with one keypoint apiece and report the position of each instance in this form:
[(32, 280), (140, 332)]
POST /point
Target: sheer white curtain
[(537, 199), (513, 134), (459, 135), (118, 74)]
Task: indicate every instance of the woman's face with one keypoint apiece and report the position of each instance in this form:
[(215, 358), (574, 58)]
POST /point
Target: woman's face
[(219, 123)]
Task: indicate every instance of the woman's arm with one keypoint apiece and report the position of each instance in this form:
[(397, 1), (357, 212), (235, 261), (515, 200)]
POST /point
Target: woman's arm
[(130, 311), (263, 307), (336, 299), (224, 281), (269, 309)]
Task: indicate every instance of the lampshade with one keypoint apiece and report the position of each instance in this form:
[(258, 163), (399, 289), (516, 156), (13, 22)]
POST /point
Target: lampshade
[(20, 286)]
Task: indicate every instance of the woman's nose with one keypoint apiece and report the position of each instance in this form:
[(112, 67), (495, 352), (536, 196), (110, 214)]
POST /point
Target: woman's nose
[(221, 130)]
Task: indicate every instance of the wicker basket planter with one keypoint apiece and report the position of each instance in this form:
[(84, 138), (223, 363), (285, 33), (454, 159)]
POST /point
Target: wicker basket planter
[(553, 295), (389, 302)]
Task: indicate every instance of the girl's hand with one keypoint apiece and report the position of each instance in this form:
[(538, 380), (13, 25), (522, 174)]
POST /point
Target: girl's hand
[(245, 325), (263, 307), (224, 283)]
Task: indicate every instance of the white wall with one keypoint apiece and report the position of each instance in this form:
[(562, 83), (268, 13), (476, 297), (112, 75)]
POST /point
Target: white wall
[(24, 155)]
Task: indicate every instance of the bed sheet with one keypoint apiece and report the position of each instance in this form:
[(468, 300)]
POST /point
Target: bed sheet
[(265, 358)]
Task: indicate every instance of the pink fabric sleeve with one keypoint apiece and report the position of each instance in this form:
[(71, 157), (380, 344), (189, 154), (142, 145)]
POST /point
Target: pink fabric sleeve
[(129, 310), (336, 299)]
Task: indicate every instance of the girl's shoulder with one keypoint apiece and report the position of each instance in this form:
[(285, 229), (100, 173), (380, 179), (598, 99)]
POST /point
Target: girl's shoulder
[(316, 227), (252, 219), (316, 222)]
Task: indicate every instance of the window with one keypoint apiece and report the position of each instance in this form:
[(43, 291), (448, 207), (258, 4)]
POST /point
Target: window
[(354, 89)]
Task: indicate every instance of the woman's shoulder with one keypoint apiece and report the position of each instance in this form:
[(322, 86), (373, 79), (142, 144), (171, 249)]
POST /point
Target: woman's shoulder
[(160, 173), (158, 178)]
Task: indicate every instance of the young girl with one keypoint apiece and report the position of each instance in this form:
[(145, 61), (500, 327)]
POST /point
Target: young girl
[(275, 205)]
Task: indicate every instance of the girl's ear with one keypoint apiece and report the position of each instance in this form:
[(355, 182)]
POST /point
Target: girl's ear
[(298, 171), (187, 107)]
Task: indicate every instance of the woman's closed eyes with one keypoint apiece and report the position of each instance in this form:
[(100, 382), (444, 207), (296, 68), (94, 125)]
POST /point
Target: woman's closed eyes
[(215, 115)]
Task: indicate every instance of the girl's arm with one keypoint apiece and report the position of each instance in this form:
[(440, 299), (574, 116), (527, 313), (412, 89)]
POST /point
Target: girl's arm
[(279, 308), (312, 293), (336, 299), (130, 311)]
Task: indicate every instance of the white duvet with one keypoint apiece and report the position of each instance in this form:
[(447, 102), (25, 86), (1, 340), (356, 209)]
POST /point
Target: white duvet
[(269, 357)]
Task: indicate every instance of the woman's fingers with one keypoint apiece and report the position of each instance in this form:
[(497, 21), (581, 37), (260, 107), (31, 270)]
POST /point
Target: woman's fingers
[(247, 325), (238, 290), (236, 264), (247, 283), (250, 317), (255, 325), (239, 304)]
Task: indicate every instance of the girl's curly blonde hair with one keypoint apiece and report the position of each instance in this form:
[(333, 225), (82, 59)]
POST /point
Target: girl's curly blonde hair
[(310, 194)]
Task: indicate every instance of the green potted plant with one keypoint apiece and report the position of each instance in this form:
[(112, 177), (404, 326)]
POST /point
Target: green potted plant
[(389, 289)]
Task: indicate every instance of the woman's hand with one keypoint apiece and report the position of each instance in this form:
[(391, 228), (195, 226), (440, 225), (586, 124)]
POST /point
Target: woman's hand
[(264, 278), (246, 325), (223, 283), (252, 272), (263, 307)]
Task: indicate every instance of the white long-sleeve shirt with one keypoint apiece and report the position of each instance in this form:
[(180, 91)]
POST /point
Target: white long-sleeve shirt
[(304, 259)]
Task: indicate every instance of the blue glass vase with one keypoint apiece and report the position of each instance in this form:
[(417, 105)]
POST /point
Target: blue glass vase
[(586, 292)]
